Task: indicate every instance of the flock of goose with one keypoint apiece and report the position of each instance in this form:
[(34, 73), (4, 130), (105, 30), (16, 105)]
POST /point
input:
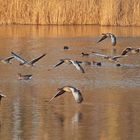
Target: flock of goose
[(77, 64)]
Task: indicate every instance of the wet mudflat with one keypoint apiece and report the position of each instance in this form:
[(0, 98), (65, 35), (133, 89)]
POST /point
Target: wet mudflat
[(111, 106)]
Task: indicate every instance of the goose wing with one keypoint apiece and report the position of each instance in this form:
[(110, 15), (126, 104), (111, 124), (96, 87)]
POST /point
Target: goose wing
[(117, 57), (60, 92), (78, 66), (19, 58), (36, 59), (61, 62), (8, 59), (99, 54), (103, 37), (126, 50)]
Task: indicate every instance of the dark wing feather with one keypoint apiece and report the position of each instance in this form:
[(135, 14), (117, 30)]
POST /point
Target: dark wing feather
[(7, 59), (103, 37), (60, 92), (125, 51), (61, 62), (36, 59)]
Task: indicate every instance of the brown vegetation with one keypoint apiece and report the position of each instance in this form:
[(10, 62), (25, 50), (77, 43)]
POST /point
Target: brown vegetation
[(103, 12)]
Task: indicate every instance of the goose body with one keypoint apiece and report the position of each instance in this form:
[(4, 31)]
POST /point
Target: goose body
[(75, 92), (85, 54), (65, 47), (109, 35)]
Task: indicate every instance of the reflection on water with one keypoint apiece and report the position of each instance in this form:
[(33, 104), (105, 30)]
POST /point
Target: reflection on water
[(110, 110)]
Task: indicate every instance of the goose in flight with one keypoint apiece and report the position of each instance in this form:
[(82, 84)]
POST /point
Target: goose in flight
[(24, 77), (109, 35), (108, 57), (25, 62), (69, 61), (131, 50), (2, 96), (7, 60), (75, 92)]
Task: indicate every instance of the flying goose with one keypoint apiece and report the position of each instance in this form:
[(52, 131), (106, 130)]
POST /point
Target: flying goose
[(76, 93), (110, 58), (25, 62), (130, 49), (24, 77), (7, 60), (69, 61), (111, 36)]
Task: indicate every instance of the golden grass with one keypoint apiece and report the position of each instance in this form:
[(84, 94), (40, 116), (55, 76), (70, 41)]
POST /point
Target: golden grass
[(103, 12)]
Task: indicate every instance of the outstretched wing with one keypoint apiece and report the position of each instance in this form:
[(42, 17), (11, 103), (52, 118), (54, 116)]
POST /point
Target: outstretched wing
[(99, 54), (8, 59), (19, 58), (58, 64), (117, 57), (78, 66), (60, 92), (36, 59), (126, 50), (103, 37)]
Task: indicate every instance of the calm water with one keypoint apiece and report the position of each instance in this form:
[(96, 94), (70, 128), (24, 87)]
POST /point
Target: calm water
[(111, 106)]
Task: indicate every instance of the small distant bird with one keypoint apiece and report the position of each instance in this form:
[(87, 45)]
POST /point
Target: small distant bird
[(25, 62), (110, 58), (131, 50), (66, 48), (2, 96), (24, 77), (111, 36), (76, 93), (7, 60), (85, 54), (69, 61)]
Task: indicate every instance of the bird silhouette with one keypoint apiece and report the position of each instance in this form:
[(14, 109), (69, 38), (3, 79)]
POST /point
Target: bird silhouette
[(76, 93), (109, 35), (69, 61)]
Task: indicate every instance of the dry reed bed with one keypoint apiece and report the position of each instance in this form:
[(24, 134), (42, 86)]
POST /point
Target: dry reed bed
[(103, 12)]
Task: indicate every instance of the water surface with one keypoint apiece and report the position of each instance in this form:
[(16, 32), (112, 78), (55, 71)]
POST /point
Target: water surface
[(111, 106)]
